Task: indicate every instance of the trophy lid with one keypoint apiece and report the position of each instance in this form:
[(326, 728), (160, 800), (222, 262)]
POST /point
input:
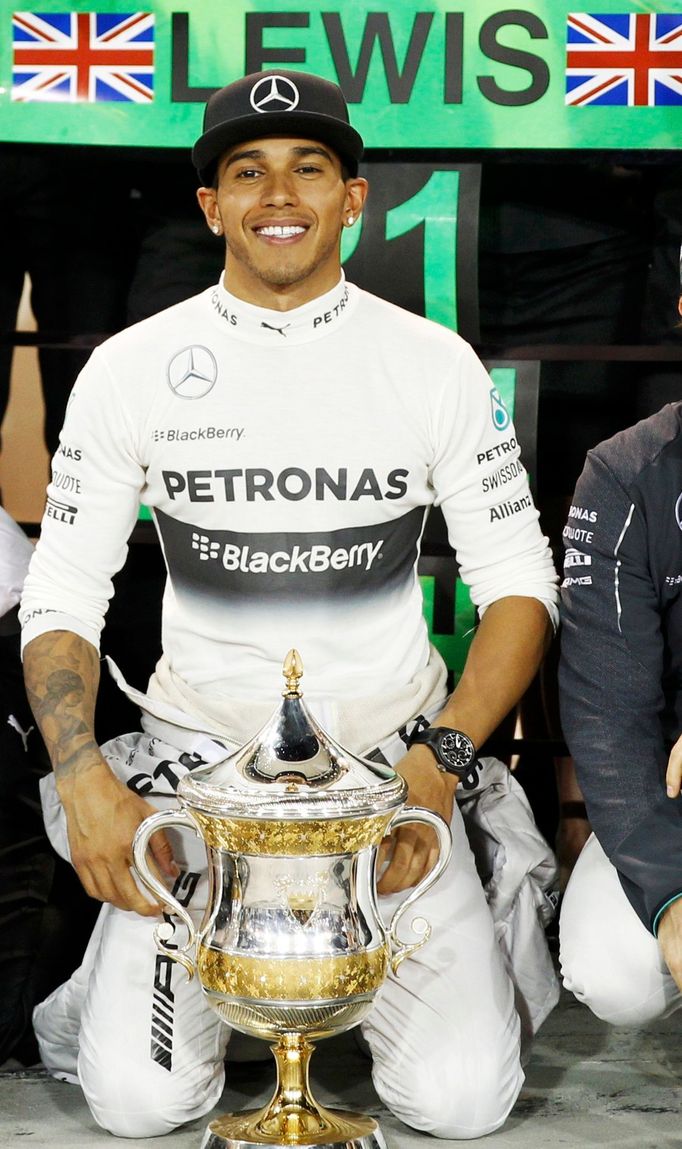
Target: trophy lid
[(292, 769)]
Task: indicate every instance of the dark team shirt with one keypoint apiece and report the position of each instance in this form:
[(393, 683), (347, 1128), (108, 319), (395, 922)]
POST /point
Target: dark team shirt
[(621, 652)]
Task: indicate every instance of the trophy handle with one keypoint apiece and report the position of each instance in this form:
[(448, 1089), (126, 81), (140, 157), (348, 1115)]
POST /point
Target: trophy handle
[(164, 931), (401, 950)]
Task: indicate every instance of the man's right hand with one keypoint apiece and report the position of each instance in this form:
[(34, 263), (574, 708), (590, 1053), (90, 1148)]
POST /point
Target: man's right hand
[(670, 940), (61, 671), (102, 817)]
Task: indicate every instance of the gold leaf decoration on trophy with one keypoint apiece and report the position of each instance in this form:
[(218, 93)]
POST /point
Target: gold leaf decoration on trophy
[(293, 979), (291, 839)]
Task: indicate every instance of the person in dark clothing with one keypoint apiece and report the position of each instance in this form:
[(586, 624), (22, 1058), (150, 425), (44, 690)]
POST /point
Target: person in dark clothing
[(45, 917), (621, 707)]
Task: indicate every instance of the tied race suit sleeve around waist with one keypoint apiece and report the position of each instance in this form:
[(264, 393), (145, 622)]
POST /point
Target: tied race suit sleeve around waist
[(611, 688), (92, 505), (482, 488)]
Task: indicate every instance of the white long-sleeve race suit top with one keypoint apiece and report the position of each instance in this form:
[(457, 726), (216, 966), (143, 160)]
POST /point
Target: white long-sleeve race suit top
[(288, 459)]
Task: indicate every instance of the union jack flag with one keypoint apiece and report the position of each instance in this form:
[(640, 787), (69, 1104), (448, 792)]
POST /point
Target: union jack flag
[(83, 56), (624, 61)]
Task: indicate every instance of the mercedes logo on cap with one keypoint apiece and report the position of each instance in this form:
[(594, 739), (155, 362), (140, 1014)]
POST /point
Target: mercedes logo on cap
[(192, 372), (274, 94)]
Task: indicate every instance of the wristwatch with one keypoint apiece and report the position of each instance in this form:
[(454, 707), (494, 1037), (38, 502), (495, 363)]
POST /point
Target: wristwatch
[(453, 750)]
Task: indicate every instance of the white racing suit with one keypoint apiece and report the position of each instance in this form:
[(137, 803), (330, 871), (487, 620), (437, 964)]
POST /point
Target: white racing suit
[(445, 1036), (289, 467)]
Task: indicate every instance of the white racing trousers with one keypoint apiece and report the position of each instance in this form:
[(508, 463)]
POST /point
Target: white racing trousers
[(609, 959), (445, 1035)]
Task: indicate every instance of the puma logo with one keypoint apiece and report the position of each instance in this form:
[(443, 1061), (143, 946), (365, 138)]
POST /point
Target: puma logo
[(23, 734), (282, 330)]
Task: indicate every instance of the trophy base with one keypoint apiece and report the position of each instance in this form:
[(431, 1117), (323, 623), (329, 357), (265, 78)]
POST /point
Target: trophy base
[(341, 1130), (292, 1119)]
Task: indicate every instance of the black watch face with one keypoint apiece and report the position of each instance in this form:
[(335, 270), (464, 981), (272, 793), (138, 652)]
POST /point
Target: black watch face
[(456, 750)]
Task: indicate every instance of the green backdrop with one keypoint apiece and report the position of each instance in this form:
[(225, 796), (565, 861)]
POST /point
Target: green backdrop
[(454, 73)]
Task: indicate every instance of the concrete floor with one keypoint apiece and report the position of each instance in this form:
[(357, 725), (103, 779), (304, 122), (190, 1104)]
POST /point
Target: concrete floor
[(587, 1085)]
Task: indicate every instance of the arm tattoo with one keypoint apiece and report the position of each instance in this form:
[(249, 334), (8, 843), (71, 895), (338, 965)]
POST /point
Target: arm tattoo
[(61, 671)]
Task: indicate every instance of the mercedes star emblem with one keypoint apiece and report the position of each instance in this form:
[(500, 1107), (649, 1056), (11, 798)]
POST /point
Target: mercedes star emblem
[(274, 94), (192, 372)]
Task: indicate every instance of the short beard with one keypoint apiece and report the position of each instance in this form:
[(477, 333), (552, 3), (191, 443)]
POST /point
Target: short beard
[(285, 275)]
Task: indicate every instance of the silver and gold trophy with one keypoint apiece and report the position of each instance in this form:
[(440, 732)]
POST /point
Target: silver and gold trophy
[(292, 947)]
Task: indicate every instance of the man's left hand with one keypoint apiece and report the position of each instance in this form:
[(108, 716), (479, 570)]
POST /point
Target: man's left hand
[(413, 849)]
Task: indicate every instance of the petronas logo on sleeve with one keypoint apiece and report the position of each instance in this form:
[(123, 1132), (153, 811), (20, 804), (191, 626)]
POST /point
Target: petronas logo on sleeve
[(501, 418)]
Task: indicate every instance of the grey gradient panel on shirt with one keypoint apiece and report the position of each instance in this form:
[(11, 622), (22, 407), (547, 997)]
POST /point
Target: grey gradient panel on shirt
[(282, 566)]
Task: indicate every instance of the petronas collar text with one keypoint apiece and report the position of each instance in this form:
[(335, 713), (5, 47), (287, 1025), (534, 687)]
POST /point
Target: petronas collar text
[(282, 328)]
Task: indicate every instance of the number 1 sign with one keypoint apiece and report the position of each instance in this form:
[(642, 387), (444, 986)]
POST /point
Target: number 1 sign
[(416, 244)]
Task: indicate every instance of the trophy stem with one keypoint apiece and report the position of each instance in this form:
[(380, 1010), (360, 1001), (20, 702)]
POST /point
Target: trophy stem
[(292, 1117), (292, 1114)]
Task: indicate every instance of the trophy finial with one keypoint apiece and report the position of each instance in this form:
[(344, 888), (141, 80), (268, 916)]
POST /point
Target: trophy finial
[(293, 673)]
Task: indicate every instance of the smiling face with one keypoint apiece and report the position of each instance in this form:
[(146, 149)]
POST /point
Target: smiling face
[(281, 204)]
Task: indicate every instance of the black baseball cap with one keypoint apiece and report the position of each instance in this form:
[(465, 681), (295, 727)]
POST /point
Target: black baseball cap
[(276, 103)]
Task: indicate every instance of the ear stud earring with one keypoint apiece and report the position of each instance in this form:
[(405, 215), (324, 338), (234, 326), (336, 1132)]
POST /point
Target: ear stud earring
[(215, 229)]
